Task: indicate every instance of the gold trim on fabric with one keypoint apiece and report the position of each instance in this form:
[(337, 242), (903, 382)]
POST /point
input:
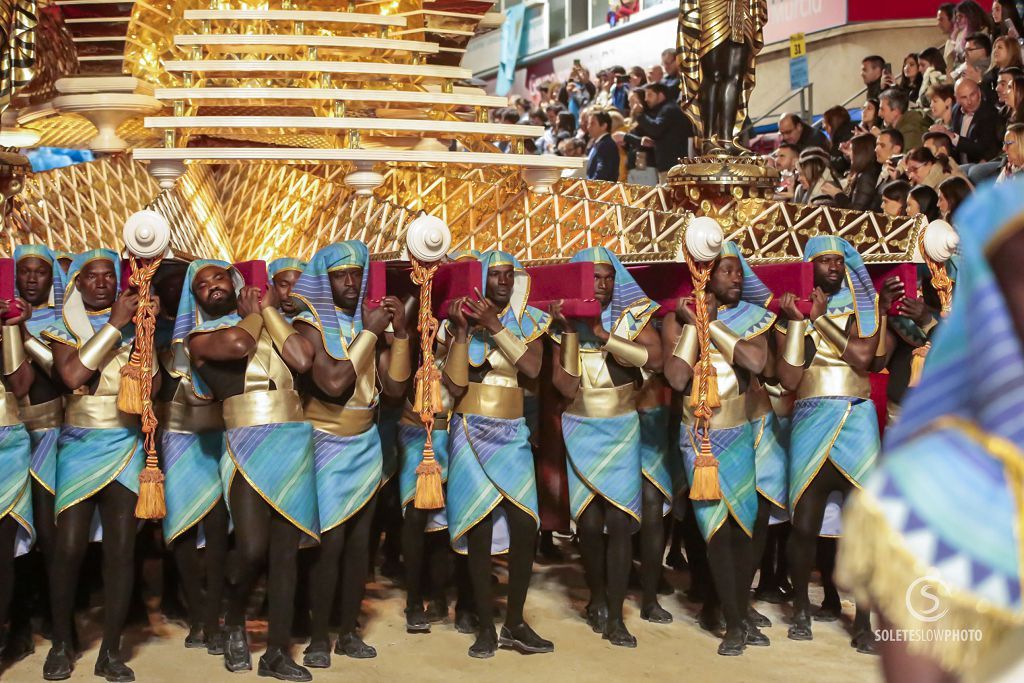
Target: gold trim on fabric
[(258, 408), (828, 456), (48, 415), (97, 412), (492, 400), (338, 420), (731, 413), (113, 479), (9, 415), (604, 402), (833, 380), (198, 519), (174, 416), (596, 493), (259, 492)]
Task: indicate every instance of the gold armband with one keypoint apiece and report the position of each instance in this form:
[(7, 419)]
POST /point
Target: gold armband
[(399, 367), (724, 339), (13, 349), (92, 353), (626, 351), (687, 349), (456, 364), (361, 351), (510, 345), (831, 332), (880, 352), (279, 328), (569, 354), (253, 325), (793, 352), (929, 326), (41, 354)]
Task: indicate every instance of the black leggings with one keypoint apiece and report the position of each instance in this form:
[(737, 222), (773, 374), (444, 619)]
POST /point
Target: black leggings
[(259, 531), (204, 611), (387, 520), (522, 542), (760, 540), (346, 547), (730, 553), (652, 541), (8, 534), (697, 556), (606, 564), (423, 552), (116, 505)]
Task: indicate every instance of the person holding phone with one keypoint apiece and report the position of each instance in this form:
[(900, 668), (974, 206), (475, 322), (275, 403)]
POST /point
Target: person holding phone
[(872, 72)]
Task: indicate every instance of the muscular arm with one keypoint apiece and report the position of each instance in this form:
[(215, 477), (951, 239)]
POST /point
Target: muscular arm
[(20, 381), (69, 368), (860, 352), (566, 384), (879, 363), (648, 338), (677, 372), (331, 376), (752, 354), (298, 353), (530, 363), (232, 343), (390, 387)]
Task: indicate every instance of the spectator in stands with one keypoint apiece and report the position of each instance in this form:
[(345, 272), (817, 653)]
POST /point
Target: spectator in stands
[(620, 89), (655, 73), (979, 56), (871, 72), (896, 113), (815, 173), (924, 168), (796, 131), (573, 147), (861, 191), (565, 126), (637, 77), (952, 192), (923, 199), (944, 20), (911, 77), (672, 78), (508, 116), (933, 73), (894, 198), (1005, 54), (1013, 146), (869, 115), (1003, 103), (969, 18), (522, 107), (1003, 11), (1015, 98), (786, 159), (603, 160), (839, 127), (939, 143), (622, 11), (640, 161), (942, 99), (889, 153), (663, 127), (974, 127), (603, 96), (578, 91)]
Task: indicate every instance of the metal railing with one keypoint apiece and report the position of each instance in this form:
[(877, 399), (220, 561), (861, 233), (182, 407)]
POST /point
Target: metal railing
[(806, 95)]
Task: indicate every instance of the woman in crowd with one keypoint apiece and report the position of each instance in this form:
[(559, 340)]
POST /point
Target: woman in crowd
[(952, 192), (894, 198), (911, 78), (923, 199), (861, 184), (815, 173), (933, 73), (1013, 147), (869, 115), (637, 77), (1006, 53), (924, 168), (1003, 11), (1015, 99), (941, 99), (839, 128)]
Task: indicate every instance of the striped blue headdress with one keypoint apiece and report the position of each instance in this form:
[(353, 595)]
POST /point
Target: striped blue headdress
[(314, 290), (521, 319), (750, 317), (630, 309), (857, 294), (464, 255), (78, 322), (285, 263), (42, 316), (975, 369)]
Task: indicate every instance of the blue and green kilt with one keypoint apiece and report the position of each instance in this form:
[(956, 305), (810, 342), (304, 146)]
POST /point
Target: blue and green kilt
[(277, 461), (842, 430), (734, 450), (15, 484), (90, 459), (491, 460), (771, 460), (388, 417), (411, 440), (348, 474), (655, 460), (192, 485), (43, 464), (604, 460)]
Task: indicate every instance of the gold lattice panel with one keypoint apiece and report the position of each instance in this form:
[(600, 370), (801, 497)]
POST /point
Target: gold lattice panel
[(72, 130)]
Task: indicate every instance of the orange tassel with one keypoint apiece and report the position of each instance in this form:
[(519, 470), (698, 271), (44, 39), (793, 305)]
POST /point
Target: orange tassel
[(429, 491), (131, 391), (917, 364), (152, 504), (705, 484)]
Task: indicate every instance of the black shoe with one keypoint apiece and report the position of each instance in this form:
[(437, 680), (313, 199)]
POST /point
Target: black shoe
[(276, 664), (597, 617), (19, 644), (196, 638), (485, 645), (466, 622), (755, 637), (215, 642), (733, 643), (416, 620), (317, 655), (617, 634), (353, 646), (656, 614), (800, 628), (59, 663), (772, 595), (437, 610), (548, 550), (236, 650), (524, 639), (757, 619), (865, 642), (710, 619), (110, 667), (830, 610)]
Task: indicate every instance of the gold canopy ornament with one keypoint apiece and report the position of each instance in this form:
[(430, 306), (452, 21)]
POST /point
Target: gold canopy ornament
[(17, 47)]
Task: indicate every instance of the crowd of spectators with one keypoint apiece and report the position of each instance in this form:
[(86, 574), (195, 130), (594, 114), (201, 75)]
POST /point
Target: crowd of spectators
[(952, 116)]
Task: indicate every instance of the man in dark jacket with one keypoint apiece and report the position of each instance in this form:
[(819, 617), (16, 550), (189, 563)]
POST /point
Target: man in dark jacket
[(662, 126), (796, 131), (603, 161), (976, 129)]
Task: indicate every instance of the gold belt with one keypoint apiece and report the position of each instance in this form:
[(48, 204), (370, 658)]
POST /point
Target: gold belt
[(336, 419), (9, 415), (191, 419), (604, 402), (833, 381), (255, 408), (758, 405), (732, 413), (491, 400), (97, 412), (48, 415)]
